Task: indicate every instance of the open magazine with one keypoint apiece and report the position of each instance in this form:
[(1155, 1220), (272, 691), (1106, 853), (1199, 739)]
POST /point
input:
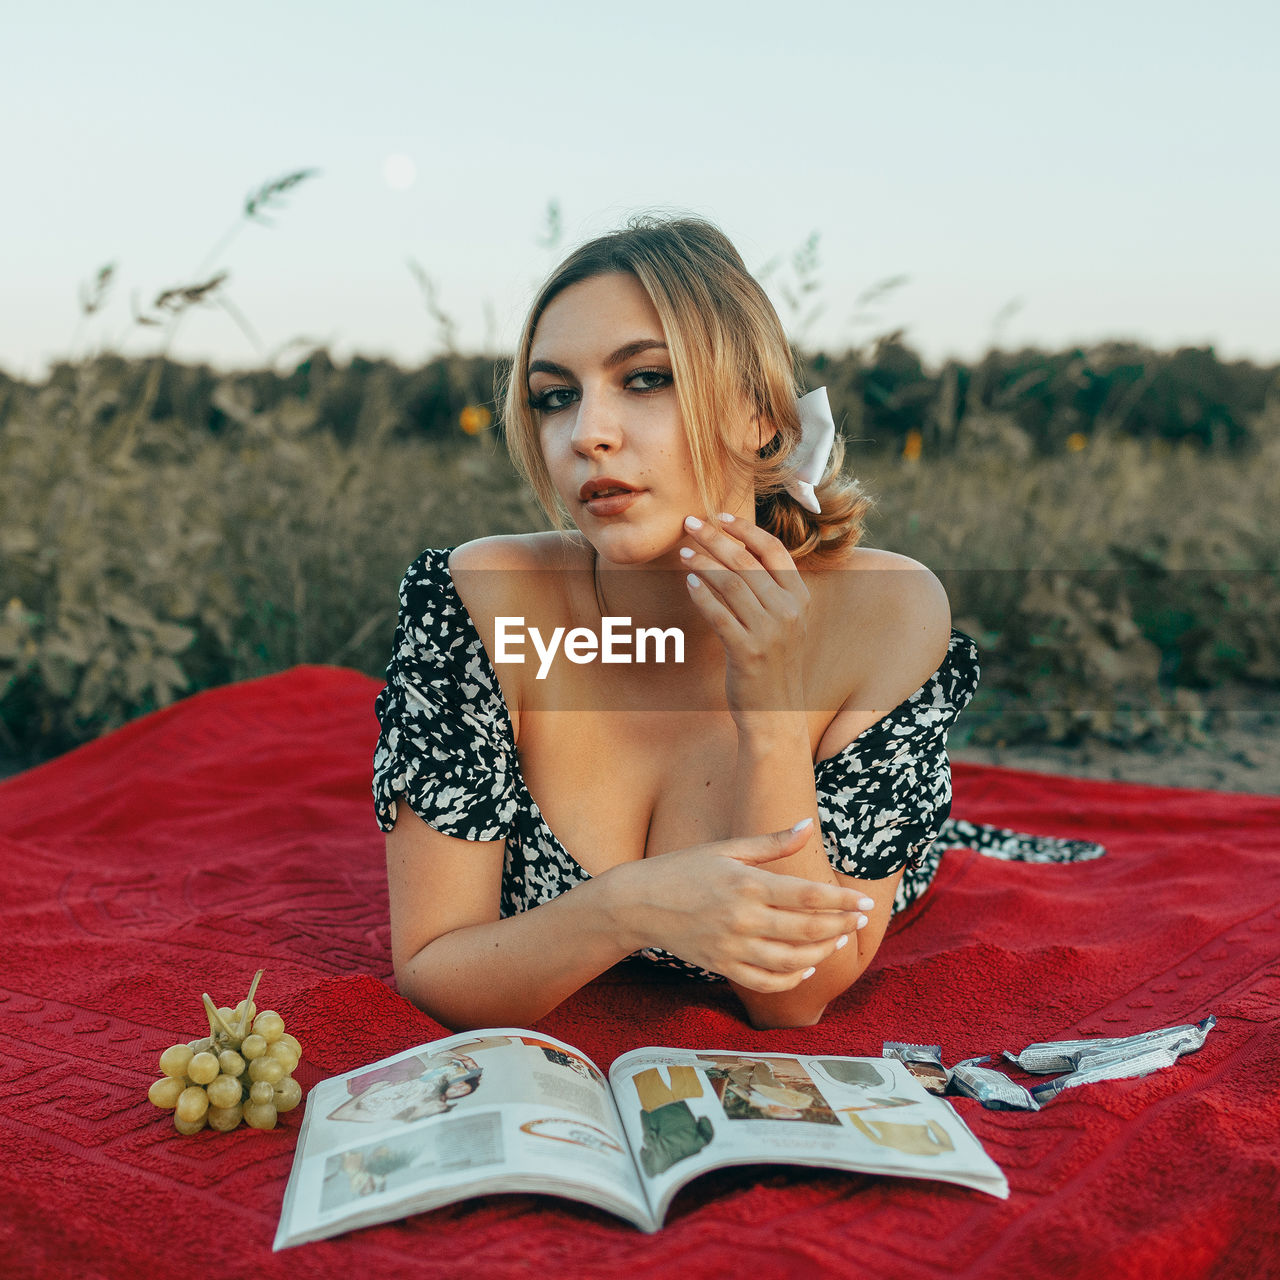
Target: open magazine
[(509, 1110)]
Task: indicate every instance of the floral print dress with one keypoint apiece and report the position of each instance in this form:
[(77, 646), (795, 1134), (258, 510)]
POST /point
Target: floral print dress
[(447, 749)]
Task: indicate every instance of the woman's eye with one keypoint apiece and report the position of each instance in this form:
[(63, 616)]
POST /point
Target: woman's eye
[(657, 379), (548, 401), (553, 399)]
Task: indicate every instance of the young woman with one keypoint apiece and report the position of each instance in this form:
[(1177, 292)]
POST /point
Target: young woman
[(754, 807), (411, 1089)]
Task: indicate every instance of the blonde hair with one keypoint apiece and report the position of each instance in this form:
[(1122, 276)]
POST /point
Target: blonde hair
[(727, 348)]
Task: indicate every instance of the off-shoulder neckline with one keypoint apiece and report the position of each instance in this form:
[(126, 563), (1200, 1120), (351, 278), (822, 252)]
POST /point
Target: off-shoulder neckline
[(446, 573), (957, 644)]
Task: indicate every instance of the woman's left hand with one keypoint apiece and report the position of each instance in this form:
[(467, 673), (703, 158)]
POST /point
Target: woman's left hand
[(751, 593)]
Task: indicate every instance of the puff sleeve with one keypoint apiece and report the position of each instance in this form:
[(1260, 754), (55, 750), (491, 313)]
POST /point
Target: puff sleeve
[(883, 800), (446, 743)]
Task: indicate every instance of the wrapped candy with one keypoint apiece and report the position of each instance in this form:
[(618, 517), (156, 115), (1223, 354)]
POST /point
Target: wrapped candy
[(993, 1089), (1066, 1055)]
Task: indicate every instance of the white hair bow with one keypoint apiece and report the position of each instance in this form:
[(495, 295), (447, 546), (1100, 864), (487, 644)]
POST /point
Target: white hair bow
[(817, 436)]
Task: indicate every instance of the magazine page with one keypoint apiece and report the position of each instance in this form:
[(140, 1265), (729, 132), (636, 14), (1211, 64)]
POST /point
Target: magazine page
[(688, 1111), (479, 1112)]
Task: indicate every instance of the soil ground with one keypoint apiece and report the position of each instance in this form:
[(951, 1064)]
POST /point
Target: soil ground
[(1241, 751)]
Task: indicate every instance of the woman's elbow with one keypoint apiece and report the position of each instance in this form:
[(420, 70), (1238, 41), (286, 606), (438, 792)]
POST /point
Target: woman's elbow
[(802, 1006), (782, 1019), (447, 1013), (417, 995), (433, 998)]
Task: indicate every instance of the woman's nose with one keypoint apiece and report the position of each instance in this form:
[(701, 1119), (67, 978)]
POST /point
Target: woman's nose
[(596, 424)]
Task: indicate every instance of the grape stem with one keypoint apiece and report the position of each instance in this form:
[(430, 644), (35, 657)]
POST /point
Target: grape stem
[(216, 1022), (242, 1027)]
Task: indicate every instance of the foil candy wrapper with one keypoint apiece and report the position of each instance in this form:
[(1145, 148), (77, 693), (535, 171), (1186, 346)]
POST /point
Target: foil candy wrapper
[(924, 1061), (1114, 1065), (1067, 1055), (992, 1088)]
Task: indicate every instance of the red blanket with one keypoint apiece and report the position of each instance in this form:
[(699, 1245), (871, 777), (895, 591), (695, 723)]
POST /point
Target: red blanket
[(234, 830)]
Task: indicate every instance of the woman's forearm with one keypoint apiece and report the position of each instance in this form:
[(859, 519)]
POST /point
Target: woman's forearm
[(511, 972), (773, 779), (773, 786)]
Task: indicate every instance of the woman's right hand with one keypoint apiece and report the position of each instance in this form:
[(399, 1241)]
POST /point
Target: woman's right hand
[(714, 905)]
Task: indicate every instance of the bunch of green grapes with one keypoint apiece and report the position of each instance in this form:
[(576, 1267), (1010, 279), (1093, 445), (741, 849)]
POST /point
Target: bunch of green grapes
[(242, 1070)]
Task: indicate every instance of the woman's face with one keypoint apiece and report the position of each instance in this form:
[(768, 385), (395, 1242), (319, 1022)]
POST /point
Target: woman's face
[(600, 381), (387, 1099)]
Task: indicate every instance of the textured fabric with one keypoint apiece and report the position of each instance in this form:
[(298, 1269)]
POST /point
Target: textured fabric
[(448, 747), (231, 832)]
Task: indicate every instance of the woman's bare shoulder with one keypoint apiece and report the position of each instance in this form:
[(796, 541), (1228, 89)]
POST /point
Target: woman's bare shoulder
[(889, 584), (521, 576), (895, 628), (520, 552), (518, 574), (875, 558)]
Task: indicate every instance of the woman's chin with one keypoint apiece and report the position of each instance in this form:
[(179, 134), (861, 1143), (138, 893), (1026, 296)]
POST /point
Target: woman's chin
[(619, 545)]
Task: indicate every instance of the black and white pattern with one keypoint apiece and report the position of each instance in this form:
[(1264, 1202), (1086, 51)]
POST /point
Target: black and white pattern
[(448, 748)]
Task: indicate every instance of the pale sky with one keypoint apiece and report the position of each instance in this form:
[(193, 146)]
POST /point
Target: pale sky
[(1098, 170)]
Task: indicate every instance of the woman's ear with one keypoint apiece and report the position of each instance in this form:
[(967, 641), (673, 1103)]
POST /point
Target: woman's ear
[(766, 434)]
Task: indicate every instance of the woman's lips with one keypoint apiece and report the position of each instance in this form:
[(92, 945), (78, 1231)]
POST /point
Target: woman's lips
[(614, 504)]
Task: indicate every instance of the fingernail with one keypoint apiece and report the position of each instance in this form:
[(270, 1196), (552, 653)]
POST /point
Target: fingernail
[(860, 922), (800, 826), (842, 941), (692, 522), (687, 552), (808, 973), (866, 904), (693, 580), (726, 517)]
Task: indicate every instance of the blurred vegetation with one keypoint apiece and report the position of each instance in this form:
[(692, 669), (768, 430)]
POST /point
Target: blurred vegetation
[(1102, 518), (1040, 404), (149, 548)]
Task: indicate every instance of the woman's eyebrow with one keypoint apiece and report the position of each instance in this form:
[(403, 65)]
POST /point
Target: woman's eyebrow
[(624, 352)]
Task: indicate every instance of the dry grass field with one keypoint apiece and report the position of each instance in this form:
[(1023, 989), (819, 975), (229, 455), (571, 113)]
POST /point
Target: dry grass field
[(1125, 594)]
